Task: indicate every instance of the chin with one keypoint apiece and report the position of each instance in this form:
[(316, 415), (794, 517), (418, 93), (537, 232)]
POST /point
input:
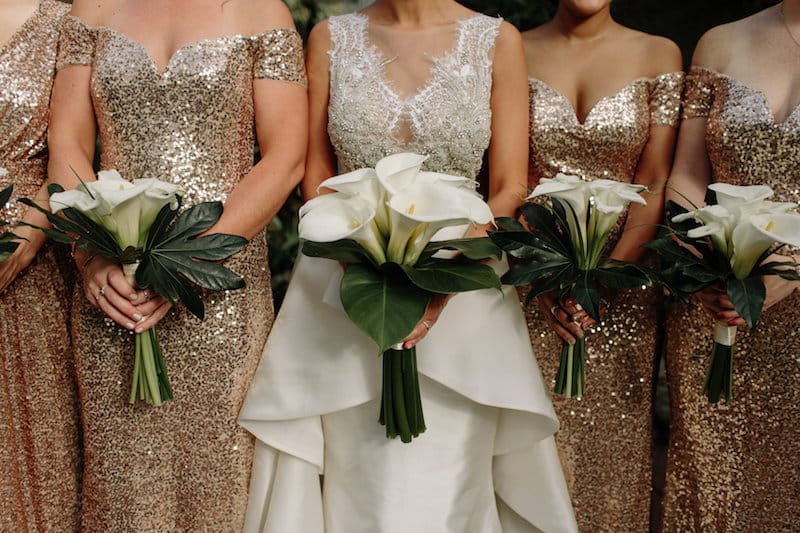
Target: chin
[(585, 8)]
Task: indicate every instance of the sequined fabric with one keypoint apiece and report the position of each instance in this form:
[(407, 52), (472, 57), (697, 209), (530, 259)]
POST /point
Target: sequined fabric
[(605, 437), (183, 466), (39, 425), (449, 118), (735, 468)]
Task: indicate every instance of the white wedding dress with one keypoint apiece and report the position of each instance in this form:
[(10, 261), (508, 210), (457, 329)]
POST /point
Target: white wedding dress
[(487, 462)]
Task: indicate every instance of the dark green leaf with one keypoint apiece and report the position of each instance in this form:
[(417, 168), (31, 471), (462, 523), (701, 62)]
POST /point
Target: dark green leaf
[(549, 225), (525, 274), (508, 224), (476, 248), (747, 296), (785, 269), (5, 195), (525, 245), (620, 275), (452, 276), (383, 304), (345, 251), (586, 294)]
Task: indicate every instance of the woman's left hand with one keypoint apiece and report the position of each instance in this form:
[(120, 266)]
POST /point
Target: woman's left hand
[(434, 309), (11, 267)]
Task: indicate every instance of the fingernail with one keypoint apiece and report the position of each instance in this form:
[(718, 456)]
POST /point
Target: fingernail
[(137, 317), (571, 341), (579, 307), (134, 296), (129, 325)]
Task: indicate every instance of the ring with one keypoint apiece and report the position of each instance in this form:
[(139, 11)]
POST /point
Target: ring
[(427, 324), (101, 291), (146, 294), (553, 310)]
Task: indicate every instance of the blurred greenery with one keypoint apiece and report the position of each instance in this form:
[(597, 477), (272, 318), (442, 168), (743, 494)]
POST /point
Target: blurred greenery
[(683, 21)]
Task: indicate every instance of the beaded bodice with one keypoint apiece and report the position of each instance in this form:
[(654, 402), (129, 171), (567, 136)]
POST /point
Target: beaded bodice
[(610, 141), (27, 67), (744, 143), (448, 118), (191, 124)]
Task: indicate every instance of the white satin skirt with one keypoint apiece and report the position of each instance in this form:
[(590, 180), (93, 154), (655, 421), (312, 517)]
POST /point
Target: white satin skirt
[(487, 462)]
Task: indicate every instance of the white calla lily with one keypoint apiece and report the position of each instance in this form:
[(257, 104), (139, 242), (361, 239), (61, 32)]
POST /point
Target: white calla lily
[(718, 223), (574, 192), (398, 171), (363, 183), (420, 210), (609, 200), (447, 179), (733, 195), (755, 235), (336, 216)]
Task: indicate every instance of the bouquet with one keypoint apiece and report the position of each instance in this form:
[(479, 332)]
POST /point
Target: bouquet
[(137, 224), (380, 222), (562, 248), (8, 241), (726, 243)]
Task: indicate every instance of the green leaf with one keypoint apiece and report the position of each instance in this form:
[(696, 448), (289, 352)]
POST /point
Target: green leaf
[(475, 248), (549, 225), (344, 250), (525, 245), (525, 274), (508, 224), (382, 303), (446, 277), (621, 275), (5, 195), (586, 294), (172, 259), (747, 296)]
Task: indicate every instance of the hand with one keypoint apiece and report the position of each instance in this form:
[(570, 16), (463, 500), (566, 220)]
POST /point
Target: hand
[(434, 309), (19, 261), (715, 301), (565, 318), (106, 288)]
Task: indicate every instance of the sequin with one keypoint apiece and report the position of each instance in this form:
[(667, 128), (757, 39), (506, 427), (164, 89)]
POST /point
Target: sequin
[(364, 107), (735, 468), (183, 466), (605, 437), (39, 425)]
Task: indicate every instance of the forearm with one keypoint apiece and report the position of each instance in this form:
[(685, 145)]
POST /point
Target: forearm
[(641, 227)]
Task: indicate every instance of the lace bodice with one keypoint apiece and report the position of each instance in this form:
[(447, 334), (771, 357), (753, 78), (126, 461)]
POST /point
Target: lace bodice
[(448, 118), (745, 145)]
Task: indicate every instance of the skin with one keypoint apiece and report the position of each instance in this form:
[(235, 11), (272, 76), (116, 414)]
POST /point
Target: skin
[(13, 14), (759, 52), (162, 27), (603, 58), (508, 150)]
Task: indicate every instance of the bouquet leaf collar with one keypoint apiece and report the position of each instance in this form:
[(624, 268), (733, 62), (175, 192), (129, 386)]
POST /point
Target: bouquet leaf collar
[(8, 241)]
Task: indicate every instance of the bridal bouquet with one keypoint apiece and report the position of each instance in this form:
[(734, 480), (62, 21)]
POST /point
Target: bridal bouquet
[(137, 224), (726, 243), (561, 250), (8, 241), (380, 223)]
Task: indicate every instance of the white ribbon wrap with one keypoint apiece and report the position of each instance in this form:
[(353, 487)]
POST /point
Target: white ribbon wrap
[(724, 334), (129, 269)]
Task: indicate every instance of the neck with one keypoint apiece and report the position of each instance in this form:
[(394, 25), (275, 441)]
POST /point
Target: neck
[(411, 12), (584, 28)]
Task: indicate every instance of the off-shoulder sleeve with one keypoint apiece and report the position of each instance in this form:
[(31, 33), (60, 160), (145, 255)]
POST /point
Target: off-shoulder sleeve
[(698, 95), (76, 44), (279, 56), (665, 100)]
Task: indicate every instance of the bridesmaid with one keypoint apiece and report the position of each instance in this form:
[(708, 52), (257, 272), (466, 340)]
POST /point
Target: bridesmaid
[(735, 468), (612, 114), (39, 425), (176, 90)]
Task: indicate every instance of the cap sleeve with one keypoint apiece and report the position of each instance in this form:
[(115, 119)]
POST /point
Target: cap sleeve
[(76, 44), (279, 56), (698, 95), (665, 100)]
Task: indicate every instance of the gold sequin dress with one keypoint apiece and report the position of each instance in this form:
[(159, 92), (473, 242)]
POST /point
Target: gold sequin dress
[(39, 424), (605, 438), (183, 466), (487, 462), (737, 468)]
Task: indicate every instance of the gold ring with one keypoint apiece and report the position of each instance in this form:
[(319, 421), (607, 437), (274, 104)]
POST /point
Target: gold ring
[(553, 310), (427, 324), (101, 291), (146, 294)]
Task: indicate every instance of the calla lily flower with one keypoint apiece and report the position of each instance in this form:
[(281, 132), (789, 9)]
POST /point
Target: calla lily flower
[(363, 183), (752, 238), (336, 216), (398, 171), (733, 195), (419, 211), (718, 223), (574, 192)]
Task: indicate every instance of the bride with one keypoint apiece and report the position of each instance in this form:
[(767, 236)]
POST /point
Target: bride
[(432, 77)]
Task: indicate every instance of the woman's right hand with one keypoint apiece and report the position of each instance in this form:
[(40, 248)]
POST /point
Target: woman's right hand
[(106, 288), (565, 317), (715, 301)]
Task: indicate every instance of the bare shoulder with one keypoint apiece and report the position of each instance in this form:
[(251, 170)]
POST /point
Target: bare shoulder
[(714, 48), (261, 15), (508, 37), (319, 40), (658, 55), (95, 12)]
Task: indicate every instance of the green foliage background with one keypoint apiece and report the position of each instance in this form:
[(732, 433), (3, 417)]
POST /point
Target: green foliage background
[(683, 21)]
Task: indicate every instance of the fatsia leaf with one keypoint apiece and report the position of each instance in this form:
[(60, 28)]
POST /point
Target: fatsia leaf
[(622, 275), (508, 224), (550, 224), (173, 259), (345, 251), (5, 194), (525, 245), (475, 248), (747, 296), (785, 269), (382, 303), (8, 245), (446, 277), (586, 294), (534, 272)]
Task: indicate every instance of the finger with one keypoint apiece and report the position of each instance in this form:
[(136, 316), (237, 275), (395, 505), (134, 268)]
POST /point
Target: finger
[(113, 313), (148, 307), (121, 303), (728, 315), (116, 279), (725, 302), (153, 319), (566, 322), (556, 326)]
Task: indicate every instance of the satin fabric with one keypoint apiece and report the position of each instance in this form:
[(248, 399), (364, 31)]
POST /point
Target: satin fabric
[(313, 406)]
